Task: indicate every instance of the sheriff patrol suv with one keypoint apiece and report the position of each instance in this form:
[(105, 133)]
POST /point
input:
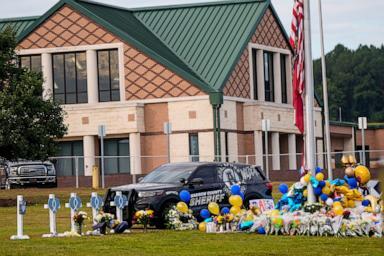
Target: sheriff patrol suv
[(207, 182)]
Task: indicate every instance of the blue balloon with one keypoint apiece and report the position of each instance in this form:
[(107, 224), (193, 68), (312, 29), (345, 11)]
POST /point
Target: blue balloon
[(235, 190), (352, 182), (365, 202), (261, 230), (318, 169), (225, 210), (241, 194), (321, 183), (283, 188), (185, 196), (324, 197), (205, 214), (317, 191)]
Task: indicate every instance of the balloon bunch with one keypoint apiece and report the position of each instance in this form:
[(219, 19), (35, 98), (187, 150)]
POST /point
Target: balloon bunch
[(335, 195), (180, 217), (225, 216)]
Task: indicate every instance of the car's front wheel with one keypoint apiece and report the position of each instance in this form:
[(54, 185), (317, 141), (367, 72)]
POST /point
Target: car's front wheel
[(160, 223)]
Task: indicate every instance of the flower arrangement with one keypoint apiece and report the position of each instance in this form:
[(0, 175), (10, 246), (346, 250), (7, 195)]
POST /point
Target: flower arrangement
[(104, 220), (144, 217), (79, 219), (178, 220)]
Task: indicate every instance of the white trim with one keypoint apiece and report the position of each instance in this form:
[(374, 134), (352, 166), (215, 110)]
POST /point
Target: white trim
[(70, 49), (270, 48), (100, 105), (258, 102), (131, 103), (121, 72), (174, 99), (250, 61)]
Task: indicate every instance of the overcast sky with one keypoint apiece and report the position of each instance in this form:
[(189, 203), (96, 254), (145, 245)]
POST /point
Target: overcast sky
[(350, 22)]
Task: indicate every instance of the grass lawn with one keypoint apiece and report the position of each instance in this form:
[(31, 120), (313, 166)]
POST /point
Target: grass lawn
[(156, 242)]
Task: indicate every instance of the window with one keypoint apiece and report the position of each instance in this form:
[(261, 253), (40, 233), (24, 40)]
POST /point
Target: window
[(116, 152), (194, 147), (283, 72), (31, 62), (268, 76), (70, 78), (66, 163), (254, 66), (108, 75), (207, 173)]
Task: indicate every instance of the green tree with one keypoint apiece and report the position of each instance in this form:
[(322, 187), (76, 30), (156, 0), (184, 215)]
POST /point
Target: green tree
[(29, 125), (355, 82)]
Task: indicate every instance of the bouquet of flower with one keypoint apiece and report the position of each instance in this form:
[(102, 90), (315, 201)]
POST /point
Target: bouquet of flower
[(103, 220), (144, 217), (180, 221), (79, 219)]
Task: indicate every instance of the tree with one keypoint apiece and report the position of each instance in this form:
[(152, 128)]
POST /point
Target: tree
[(29, 125), (355, 82)]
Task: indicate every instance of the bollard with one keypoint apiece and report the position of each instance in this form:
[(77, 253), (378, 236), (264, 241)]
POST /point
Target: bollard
[(53, 205), (74, 204), (120, 202), (96, 202), (95, 177), (21, 209)]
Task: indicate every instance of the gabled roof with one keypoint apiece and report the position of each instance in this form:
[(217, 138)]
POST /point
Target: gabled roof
[(17, 24), (201, 42)]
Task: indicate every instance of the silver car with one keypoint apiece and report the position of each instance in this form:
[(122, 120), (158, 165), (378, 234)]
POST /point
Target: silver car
[(21, 173)]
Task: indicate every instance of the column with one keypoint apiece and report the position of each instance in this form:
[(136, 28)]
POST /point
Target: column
[(260, 75), (292, 151), (135, 153), (277, 77), (288, 68), (258, 141), (46, 63), (320, 153), (92, 81), (275, 141), (89, 154)]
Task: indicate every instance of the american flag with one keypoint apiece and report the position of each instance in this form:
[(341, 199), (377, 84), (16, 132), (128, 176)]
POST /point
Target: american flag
[(297, 42)]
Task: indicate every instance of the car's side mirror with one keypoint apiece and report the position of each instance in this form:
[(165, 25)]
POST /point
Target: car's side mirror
[(197, 181)]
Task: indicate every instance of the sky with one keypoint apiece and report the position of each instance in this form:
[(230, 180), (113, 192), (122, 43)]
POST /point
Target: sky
[(349, 22)]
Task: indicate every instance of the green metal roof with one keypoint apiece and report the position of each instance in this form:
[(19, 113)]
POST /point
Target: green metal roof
[(17, 24), (201, 42), (208, 38)]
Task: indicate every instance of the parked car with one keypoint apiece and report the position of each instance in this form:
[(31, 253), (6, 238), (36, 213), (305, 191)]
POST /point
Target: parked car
[(22, 173), (205, 181)]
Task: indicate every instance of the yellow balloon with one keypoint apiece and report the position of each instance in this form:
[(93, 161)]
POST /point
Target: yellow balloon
[(236, 200), (202, 226), (351, 204), (338, 210), (320, 176), (182, 207), (326, 190), (275, 213), (234, 210), (307, 177), (337, 203), (327, 183), (305, 193), (362, 174), (214, 208)]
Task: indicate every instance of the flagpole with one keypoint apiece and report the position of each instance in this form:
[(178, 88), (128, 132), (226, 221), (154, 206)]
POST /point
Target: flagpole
[(310, 150), (325, 95)]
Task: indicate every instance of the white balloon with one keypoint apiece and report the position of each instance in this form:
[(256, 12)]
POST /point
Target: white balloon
[(329, 201)]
